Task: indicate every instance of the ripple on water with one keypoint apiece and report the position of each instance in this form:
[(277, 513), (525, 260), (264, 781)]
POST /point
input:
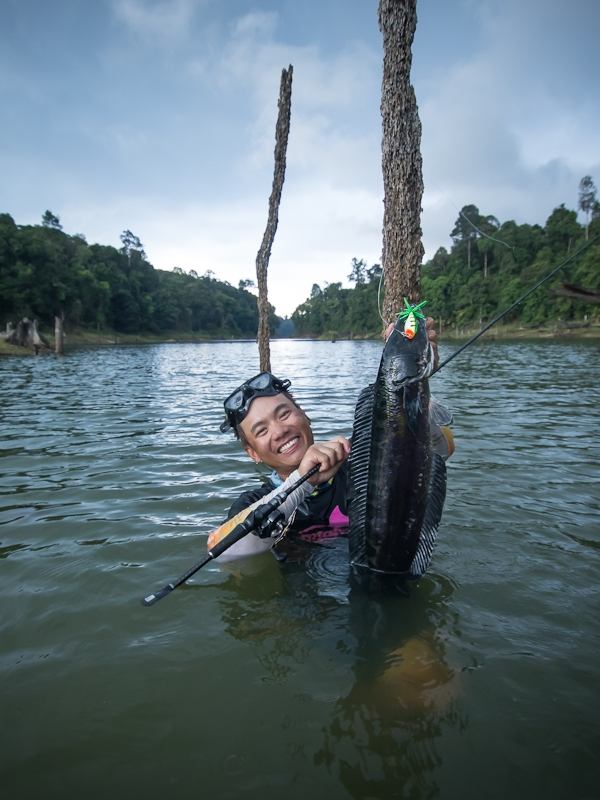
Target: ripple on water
[(109, 489)]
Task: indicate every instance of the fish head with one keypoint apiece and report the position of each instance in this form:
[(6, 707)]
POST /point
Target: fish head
[(407, 356)]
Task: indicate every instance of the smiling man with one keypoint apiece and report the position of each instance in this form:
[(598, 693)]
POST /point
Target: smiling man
[(275, 431)]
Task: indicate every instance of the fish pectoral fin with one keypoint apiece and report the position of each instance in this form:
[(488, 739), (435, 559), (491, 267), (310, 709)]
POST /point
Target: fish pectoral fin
[(438, 412), (449, 437)]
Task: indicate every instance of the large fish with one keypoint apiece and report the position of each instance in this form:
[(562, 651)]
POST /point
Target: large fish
[(397, 484)]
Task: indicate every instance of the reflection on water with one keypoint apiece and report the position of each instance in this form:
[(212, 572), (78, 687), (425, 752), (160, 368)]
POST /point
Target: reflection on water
[(399, 689), (285, 678)]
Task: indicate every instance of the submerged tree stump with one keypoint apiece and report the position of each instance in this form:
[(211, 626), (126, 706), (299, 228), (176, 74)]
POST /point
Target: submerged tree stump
[(282, 130), (401, 159), (59, 336), (26, 334)]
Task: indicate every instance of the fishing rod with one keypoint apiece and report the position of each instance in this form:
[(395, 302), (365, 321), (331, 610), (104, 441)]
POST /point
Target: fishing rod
[(264, 519), (516, 303)]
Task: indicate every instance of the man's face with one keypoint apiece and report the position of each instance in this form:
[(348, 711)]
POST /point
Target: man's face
[(277, 433)]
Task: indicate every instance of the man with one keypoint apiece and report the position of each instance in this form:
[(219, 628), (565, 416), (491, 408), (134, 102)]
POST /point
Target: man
[(275, 431)]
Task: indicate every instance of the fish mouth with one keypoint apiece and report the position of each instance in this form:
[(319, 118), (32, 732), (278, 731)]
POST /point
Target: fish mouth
[(289, 446), (423, 370)]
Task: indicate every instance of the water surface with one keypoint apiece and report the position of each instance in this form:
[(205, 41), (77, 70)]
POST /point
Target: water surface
[(284, 679)]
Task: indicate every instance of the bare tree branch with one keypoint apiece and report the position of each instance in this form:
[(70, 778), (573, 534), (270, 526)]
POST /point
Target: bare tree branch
[(578, 293), (282, 130)]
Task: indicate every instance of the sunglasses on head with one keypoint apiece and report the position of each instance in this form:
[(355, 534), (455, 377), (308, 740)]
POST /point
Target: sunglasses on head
[(237, 404)]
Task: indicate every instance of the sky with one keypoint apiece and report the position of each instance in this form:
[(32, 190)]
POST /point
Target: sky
[(158, 116)]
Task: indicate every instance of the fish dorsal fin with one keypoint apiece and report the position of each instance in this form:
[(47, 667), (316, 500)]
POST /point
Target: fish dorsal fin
[(359, 472)]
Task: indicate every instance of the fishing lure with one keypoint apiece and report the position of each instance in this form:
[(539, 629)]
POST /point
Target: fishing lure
[(411, 315)]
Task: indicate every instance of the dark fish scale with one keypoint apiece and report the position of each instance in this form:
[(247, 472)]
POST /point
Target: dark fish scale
[(397, 489)]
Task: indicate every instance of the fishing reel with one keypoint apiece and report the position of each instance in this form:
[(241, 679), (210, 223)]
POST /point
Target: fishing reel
[(268, 520)]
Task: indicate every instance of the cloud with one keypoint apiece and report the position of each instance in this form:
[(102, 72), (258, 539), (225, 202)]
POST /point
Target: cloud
[(172, 135), (331, 206), (156, 19), (254, 25), (327, 90), (508, 128), (315, 242)]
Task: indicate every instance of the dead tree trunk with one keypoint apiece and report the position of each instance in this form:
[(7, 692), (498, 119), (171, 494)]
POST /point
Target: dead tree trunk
[(401, 161), (262, 259), (578, 293), (59, 335), (26, 334)]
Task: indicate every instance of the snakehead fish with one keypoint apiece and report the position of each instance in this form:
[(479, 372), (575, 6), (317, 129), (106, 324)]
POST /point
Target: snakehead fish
[(397, 485)]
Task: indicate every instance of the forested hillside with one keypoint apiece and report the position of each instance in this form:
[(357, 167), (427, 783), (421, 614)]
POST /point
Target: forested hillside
[(489, 265), (45, 272)]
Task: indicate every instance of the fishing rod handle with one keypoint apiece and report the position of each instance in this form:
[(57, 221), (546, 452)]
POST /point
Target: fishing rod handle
[(150, 599), (241, 530), (156, 596)]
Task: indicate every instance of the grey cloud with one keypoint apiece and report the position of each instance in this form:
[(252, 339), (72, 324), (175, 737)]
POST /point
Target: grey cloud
[(161, 20), (508, 128)]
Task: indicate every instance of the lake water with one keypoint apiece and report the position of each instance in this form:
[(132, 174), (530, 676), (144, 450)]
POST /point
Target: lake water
[(279, 680)]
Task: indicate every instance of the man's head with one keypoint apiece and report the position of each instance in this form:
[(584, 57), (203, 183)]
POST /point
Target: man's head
[(271, 426)]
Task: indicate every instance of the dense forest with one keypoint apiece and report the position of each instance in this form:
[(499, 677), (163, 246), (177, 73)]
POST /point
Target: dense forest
[(489, 265), (45, 272)]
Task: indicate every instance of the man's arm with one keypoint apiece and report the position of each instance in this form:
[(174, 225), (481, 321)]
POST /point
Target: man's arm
[(251, 544), (328, 455)]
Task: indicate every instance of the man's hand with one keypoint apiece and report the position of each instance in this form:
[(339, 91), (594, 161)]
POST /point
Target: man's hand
[(431, 335), (330, 455)]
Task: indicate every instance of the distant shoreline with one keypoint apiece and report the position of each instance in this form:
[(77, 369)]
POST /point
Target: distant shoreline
[(78, 339)]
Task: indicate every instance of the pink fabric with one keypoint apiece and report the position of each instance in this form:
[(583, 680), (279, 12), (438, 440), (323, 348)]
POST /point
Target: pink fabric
[(316, 533), (337, 517), (328, 531)]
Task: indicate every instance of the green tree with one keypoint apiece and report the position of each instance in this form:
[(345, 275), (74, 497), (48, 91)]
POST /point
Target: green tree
[(587, 200), (358, 273), (131, 244), (50, 220), (44, 271), (465, 228), (562, 230)]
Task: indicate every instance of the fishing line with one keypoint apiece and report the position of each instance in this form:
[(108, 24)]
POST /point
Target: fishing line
[(516, 302), (472, 224), (385, 322), (487, 235)]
